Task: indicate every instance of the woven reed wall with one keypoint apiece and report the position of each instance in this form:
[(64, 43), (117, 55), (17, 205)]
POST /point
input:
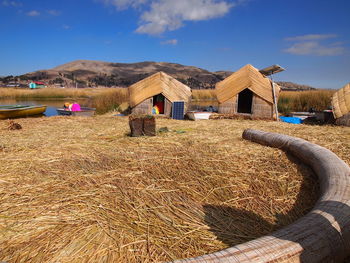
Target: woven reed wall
[(167, 107), (146, 106), (323, 235), (229, 106), (344, 120), (260, 107), (341, 101)]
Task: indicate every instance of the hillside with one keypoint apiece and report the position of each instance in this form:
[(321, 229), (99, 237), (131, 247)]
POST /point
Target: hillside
[(98, 73), (87, 73), (293, 86)]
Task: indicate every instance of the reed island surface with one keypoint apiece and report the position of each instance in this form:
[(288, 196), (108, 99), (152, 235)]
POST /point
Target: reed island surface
[(76, 189)]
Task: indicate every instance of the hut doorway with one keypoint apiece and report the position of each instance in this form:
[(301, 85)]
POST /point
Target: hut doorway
[(159, 101), (245, 101)]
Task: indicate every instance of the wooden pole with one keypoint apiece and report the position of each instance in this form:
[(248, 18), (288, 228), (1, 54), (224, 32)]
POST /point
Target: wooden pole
[(274, 98)]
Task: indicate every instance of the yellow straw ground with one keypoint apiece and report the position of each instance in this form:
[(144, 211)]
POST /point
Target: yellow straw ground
[(81, 190)]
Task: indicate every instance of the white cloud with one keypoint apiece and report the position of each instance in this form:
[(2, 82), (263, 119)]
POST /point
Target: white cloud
[(169, 15), (66, 27), (315, 48), (315, 44), (158, 16), (33, 13), (170, 42), (11, 3), (53, 12), (311, 37), (124, 4)]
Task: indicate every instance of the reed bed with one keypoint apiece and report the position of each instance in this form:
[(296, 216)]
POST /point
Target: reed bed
[(47, 93), (82, 190), (59, 93), (110, 100), (305, 100), (204, 94)]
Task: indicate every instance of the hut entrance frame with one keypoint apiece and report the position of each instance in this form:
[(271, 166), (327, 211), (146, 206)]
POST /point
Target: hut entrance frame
[(245, 101), (159, 101)]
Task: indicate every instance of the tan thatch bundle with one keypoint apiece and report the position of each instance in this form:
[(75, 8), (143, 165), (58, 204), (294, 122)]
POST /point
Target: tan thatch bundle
[(159, 83), (248, 77), (341, 102)]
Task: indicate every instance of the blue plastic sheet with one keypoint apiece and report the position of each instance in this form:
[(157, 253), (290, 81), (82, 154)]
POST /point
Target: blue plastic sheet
[(294, 120)]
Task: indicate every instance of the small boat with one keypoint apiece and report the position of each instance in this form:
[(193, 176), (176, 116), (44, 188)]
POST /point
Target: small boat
[(85, 112), (198, 115), (18, 111)]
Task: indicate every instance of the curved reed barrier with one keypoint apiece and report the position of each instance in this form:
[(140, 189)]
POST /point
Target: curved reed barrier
[(323, 235)]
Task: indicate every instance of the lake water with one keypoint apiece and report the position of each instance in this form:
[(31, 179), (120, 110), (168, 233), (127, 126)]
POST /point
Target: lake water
[(52, 105)]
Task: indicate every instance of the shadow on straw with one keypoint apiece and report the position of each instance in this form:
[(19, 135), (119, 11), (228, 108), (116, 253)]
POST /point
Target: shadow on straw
[(331, 241), (233, 226)]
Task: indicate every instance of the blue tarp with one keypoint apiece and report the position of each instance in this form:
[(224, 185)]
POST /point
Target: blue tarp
[(294, 120)]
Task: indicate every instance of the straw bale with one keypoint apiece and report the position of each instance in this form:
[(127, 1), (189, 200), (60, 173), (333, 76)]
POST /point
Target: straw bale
[(159, 83), (136, 126), (341, 101), (248, 77), (142, 125), (149, 126)]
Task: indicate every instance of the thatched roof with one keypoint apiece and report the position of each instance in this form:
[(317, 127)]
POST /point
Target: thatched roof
[(341, 101), (247, 77), (158, 83)]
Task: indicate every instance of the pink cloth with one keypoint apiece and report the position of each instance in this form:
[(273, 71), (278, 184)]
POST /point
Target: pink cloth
[(75, 107)]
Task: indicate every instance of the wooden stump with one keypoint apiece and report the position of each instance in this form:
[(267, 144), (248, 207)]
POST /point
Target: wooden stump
[(142, 125)]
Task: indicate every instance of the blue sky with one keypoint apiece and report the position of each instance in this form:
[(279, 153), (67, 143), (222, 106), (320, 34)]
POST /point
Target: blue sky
[(310, 38)]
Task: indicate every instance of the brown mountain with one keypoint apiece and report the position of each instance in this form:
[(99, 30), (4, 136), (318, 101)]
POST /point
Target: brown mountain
[(98, 73), (290, 86), (87, 73)]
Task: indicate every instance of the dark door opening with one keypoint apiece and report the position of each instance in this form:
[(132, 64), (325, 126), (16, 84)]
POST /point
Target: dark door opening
[(245, 101), (159, 101)]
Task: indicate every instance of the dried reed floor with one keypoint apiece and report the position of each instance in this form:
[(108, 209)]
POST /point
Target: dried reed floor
[(81, 190)]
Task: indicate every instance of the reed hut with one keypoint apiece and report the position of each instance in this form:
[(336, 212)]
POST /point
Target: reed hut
[(159, 90), (341, 106), (247, 92)]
